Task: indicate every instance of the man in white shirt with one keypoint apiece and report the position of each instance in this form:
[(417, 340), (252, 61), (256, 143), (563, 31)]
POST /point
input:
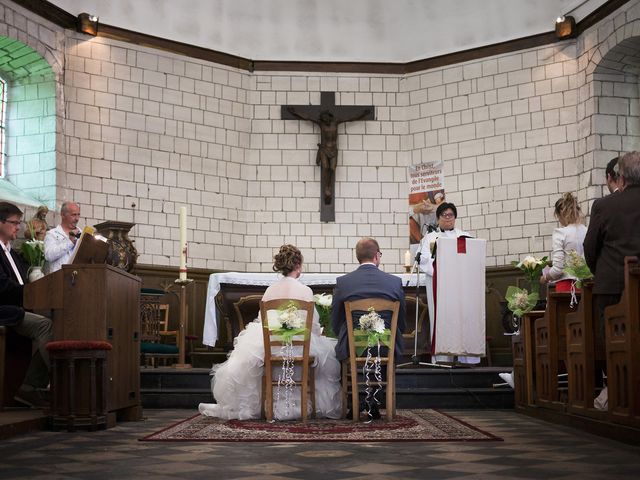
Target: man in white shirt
[(13, 276), (60, 241)]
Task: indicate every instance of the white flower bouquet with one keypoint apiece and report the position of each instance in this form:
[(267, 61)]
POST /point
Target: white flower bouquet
[(371, 326), (288, 323), (323, 303)]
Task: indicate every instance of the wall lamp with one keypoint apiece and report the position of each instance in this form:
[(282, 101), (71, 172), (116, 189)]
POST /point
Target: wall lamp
[(88, 24), (566, 27)]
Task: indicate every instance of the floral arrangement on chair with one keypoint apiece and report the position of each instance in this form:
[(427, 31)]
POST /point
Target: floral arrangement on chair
[(287, 324), (520, 300), (371, 326), (323, 303)]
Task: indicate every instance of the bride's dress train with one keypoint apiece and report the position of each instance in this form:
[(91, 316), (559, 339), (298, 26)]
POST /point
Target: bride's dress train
[(237, 383)]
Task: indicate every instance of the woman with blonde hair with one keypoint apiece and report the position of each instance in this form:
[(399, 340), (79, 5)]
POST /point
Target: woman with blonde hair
[(568, 237)]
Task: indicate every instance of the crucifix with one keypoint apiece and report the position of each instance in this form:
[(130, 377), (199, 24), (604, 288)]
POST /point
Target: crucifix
[(327, 116)]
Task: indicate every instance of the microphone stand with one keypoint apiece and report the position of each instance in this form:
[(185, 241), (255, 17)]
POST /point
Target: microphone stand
[(415, 360)]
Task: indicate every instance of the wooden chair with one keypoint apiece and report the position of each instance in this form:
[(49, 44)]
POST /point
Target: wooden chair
[(154, 330), (354, 363), (273, 359), (246, 309)]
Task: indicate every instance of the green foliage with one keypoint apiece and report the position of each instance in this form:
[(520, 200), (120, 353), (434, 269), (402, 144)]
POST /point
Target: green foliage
[(519, 301), (33, 252)]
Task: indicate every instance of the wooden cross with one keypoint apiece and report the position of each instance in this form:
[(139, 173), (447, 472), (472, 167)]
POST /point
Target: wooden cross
[(327, 116)]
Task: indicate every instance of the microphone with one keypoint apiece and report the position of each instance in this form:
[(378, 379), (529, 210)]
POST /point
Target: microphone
[(75, 234), (432, 227)]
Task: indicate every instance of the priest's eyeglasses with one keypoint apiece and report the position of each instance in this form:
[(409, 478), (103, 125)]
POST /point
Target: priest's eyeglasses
[(447, 215)]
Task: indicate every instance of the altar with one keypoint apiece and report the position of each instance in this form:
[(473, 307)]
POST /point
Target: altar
[(224, 290)]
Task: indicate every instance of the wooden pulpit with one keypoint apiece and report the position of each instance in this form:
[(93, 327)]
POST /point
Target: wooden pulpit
[(97, 302)]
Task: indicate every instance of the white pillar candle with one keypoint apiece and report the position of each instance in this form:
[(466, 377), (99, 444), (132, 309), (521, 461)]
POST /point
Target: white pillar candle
[(407, 258), (183, 243)]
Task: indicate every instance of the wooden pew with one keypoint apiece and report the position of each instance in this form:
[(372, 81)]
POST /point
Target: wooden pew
[(523, 346), (622, 339), (551, 350), (584, 347)]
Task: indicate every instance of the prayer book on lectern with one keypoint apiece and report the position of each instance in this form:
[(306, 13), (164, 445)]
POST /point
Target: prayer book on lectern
[(91, 248)]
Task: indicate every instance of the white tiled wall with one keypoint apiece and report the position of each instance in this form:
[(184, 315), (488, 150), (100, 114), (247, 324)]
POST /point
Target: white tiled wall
[(146, 132)]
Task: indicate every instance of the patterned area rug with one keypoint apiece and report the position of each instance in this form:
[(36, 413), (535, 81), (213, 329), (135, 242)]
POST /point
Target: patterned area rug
[(423, 425)]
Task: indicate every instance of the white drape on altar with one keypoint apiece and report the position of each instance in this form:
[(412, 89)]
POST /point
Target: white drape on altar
[(210, 333)]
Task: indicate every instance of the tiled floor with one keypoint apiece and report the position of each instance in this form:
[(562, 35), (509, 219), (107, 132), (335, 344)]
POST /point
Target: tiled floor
[(531, 449)]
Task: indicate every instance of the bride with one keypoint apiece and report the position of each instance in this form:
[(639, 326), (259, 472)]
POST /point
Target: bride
[(237, 383)]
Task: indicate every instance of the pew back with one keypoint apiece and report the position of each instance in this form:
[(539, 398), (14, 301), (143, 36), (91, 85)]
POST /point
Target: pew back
[(622, 334)]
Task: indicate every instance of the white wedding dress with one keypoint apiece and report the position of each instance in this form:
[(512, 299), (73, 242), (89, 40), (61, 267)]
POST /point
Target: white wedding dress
[(237, 383)]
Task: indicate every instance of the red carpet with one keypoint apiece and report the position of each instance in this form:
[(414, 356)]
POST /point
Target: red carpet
[(409, 426)]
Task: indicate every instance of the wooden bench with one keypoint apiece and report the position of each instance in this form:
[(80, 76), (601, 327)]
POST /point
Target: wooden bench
[(622, 339), (551, 350), (584, 347), (523, 346)]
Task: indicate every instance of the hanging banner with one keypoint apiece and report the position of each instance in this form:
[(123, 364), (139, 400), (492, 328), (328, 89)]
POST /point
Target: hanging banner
[(426, 192)]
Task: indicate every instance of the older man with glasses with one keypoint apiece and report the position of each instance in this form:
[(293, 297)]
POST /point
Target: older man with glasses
[(13, 276), (60, 242)]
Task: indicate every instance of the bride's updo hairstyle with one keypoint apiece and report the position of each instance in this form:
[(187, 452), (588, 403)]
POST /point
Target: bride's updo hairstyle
[(287, 259)]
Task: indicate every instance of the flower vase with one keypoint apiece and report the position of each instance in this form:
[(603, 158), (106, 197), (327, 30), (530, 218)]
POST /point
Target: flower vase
[(35, 273)]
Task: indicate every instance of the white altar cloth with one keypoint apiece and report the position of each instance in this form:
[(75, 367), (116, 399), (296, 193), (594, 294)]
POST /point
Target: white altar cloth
[(210, 333)]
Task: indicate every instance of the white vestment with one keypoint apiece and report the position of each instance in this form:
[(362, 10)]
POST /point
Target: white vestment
[(457, 316)]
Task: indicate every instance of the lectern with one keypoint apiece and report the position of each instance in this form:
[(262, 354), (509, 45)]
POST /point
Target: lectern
[(458, 325), (98, 302)]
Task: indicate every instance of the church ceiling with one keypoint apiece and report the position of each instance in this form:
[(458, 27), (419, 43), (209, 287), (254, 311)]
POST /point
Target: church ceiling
[(335, 30)]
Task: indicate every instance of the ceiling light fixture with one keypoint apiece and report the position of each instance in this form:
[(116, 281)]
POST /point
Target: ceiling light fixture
[(88, 24), (566, 27)]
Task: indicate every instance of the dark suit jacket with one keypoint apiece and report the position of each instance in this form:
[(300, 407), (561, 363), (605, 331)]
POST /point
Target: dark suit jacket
[(365, 282), (10, 290), (613, 233)]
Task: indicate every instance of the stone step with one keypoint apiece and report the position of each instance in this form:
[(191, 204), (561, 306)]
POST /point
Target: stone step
[(415, 388)]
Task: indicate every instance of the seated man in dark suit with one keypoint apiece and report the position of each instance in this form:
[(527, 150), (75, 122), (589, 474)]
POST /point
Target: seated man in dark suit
[(367, 281), (13, 275)]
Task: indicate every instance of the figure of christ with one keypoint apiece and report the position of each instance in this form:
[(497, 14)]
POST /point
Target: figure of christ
[(327, 156)]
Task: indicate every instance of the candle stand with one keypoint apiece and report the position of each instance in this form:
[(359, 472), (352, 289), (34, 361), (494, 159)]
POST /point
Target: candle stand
[(183, 322)]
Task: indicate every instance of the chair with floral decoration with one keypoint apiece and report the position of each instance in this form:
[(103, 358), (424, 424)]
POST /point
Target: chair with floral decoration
[(275, 356), (358, 346)]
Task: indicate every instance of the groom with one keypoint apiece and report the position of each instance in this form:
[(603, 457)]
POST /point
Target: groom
[(367, 281)]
